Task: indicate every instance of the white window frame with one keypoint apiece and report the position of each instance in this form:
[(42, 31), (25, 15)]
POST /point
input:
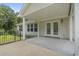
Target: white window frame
[(35, 27), (32, 27)]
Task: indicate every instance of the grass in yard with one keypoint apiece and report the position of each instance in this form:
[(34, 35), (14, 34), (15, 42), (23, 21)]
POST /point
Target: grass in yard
[(8, 38)]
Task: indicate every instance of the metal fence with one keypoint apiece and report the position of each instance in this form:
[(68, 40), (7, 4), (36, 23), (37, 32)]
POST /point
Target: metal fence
[(9, 37)]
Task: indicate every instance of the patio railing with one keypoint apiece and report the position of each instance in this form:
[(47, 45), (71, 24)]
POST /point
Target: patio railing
[(9, 37)]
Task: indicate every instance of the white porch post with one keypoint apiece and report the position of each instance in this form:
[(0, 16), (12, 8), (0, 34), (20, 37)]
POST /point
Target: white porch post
[(23, 28), (76, 29), (38, 35), (71, 24), (71, 28)]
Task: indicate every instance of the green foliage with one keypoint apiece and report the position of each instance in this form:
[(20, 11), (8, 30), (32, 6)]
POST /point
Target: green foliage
[(5, 12), (8, 25), (19, 19), (8, 18)]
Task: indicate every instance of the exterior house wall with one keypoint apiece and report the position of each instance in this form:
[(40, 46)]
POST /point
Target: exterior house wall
[(42, 28), (17, 27), (63, 28)]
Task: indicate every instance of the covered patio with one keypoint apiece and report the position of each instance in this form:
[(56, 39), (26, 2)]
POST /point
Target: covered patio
[(64, 46), (59, 13), (21, 48), (42, 46)]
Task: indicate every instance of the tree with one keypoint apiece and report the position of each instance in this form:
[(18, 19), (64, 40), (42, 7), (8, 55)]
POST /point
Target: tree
[(8, 18), (19, 19)]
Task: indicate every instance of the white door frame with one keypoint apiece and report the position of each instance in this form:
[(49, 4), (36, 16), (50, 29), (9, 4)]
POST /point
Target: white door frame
[(51, 22), (58, 29), (46, 29)]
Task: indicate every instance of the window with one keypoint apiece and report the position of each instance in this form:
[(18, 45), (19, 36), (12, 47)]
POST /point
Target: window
[(55, 24), (20, 27), (28, 27), (35, 27), (32, 27), (48, 28)]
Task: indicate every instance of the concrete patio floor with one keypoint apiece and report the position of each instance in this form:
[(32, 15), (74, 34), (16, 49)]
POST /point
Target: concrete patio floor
[(60, 45), (22, 48)]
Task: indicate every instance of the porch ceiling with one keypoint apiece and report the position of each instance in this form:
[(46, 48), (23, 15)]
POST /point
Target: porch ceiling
[(51, 12)]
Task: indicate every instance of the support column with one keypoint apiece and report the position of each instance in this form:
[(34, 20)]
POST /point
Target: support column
[(23, 28), (71, 28), (38, 34), (76, 29)]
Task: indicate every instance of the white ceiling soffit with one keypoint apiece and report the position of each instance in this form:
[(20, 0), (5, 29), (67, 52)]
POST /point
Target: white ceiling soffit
[(35, 7), (52, 11)]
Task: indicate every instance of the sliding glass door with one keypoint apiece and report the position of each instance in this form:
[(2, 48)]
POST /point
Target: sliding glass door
[(48, 28), (55, 28), (52, 29)]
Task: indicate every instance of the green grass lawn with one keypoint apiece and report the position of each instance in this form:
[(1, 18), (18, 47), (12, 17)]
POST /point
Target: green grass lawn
[(8, 38)]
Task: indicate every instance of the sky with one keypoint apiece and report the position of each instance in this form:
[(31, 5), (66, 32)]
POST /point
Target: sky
[(15, 6)]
